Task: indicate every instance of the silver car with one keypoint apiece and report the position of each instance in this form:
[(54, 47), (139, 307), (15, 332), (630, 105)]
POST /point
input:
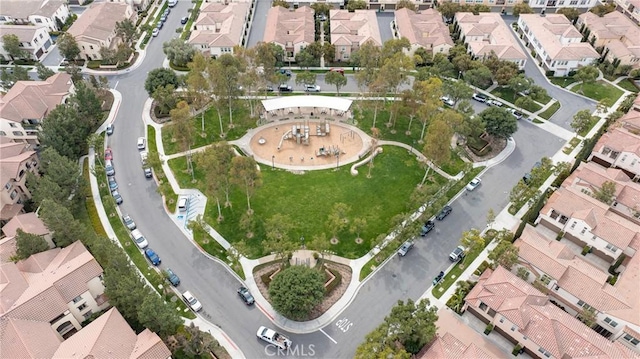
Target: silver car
[(128, 222), (405, 248)]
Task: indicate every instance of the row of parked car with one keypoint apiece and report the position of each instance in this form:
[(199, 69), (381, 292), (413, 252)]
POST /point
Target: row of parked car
[(484, 99)]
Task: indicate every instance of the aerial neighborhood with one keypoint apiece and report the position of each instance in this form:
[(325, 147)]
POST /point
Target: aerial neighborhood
[(342, 179)]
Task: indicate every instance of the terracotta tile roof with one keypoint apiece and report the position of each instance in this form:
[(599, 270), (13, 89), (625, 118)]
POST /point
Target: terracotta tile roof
[(11, 149), (546, 325), (495, 35), (627, 287), (425, 28), (612, 26), (231, 20), (619, 140), (590, 175), (98, 22), (21, 9), (286, 26), (449, 347), (24, 33), (34, 99), (110, 336), (596, 293), (10, 210), (27, 339), (549, 30), (28, 222), (356, 27), (7, 249)]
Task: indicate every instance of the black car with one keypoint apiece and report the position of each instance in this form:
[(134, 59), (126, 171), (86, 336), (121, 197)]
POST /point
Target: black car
[(438, 278), (285, 72), (172, 277), (184, 20), (443, 213), (245, 295), (428, 226)]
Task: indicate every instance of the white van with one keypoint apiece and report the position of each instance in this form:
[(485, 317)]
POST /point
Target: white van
[(182, 204), (137, 237)]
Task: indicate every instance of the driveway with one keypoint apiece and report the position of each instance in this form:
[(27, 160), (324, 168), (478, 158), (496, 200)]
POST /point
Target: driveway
[(384, 23), (53, 58)]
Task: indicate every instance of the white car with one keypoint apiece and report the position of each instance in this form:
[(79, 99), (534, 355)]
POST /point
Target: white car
[(311, 88), (155, 32), (192, 301), (143, 157), (447, 101), (474, 184), (142, 143), (494, 103)]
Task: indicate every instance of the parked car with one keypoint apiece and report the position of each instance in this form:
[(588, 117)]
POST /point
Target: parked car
[(268, 88), (192, 301), (172, 277), (479, 97), (148, 173), (167, 11), (527, 176), (517, 114), (142, 143), (457, 254), (117, 197), (405, 248), (340, 71), (311, 88), (285, 72), (108, 154), (113, 185), (285, 88), (444, 212), (159, 25), (428, 226), (494, 103), (128, 222), (152, 256), (109, 169), (438, 278), (246, 296), (163, 18), (473, 184), (139, 239), (447, 101), (109, 129), (184, 20), (155, 32)]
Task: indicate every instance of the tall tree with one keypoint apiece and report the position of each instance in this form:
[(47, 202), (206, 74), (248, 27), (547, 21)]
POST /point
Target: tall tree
[(336, 79), (306, 78), (429, 93), (393, 74), (406, 4), (480, 77), (126, 30), (570, 12), (160, 77), (9, 78), (456, 91), (65, 131), (60, 221), (244, 172), (216, 164), (437, 145), (306, 59), (11, 44), (520, 84), (606, 193), (448, 9), (338, 218), (504, 254), (166, 99), (86, 102), (412, 324), (183, 129), (368, 58), (472, 240), (28, 244), (155, 315), (499, 122), (178, 51), (295, 291), (582, 121), (522, 8), (226, 82), (68, 46), (43, 71), (277, 229), (353, 5), (586, 75)]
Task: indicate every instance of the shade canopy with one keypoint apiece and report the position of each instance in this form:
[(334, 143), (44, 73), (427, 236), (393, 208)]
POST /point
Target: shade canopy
[(335, 103)]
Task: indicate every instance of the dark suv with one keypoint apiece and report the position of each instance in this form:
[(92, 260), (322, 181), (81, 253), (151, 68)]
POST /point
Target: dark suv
[(428, 226), (444, 212), (246, 296)]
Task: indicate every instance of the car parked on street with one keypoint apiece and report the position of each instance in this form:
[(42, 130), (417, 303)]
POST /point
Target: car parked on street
[(447, 101), (438, 278), (475, 183), (148, 173), (405, 248), (109, 169), (246, 296), (311, 88), (285, 72), (428, 226), (479, 97), (192, 301), (184, 20), (108, 154), (152, 256), (172, 277), (155, 32), (494, 103), (517, 114), (444, 212), (457, 254), (113, 185), (128, 222), (139, 239), (117, 197), (285, 88), (109, 129), (142, 143)]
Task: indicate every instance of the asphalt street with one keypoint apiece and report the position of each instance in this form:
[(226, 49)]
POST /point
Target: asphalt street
[(215, 287)]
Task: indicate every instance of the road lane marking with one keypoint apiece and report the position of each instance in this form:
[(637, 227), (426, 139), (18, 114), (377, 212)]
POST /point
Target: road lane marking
[(333, 340), (265, 312), (344, 324), (117, 82)]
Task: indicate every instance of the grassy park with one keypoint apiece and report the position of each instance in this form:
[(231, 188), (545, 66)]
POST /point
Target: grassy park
[(599, 91)]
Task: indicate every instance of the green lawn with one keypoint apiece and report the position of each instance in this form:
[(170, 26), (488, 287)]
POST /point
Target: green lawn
[(562, 81), (546, 114), (599, 91), (308, 199), (398, 128), (533, 107), (628, 85), (505, 93), (170, 197)]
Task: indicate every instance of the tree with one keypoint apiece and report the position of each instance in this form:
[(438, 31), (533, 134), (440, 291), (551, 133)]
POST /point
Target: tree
[(523, 273), (353, 5), (155, 315), (367, 58), (165, 97), (178, 51), (87, 104), (412, 324), (504, 254), (74, 71), (377, 346), (601, 10), (197, 84), (337, 219), (320, 243), (520, 84), (524, 102), (586, 74), (61, 223), (9, 78), (63, 171), (226, 80), (281, 3), (305, 78), (277, 230), (448, 9), (480, 77), (295, 291), (183, 130), (442, 67), (522, 8), (336, 79), (28, 244), (357, 226), (160, 77), (498, 122), (11, 44), (437, 145), (491, 217), (43, 71), (126, 30), (68, 46), (570, 13), (306, 59), (406, 4), (588, 316), (456, 91), (582, 121), (215, 162), (606, 193), (538, 93), (196, 343), (505, 72), (244, 172), (65, 131), (428, 93), (472, 241)]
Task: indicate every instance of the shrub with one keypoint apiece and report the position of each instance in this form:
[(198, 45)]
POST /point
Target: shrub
[(336, 282), (613, 268), (586, 250), (517, 349), (488, 329), (560, 235)]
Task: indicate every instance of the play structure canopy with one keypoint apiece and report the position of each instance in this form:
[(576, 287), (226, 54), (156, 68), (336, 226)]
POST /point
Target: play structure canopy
[(309, 101)]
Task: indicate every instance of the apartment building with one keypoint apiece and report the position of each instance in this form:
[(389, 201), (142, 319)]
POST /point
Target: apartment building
[(35, 40), (350, 30), (16, 160), (528, 318), (556, 43), (220, 27), (616, 34), (60, 287), (96, 28), (27, 103), (631, 8), (424, 29), (28, 223), (50, 13), (486, 33), (291, 29)]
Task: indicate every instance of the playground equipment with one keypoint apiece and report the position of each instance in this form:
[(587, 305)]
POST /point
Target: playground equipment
[(329, 151), (301, 132)]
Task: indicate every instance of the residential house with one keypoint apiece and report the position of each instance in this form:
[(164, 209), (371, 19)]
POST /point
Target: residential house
[(616, 34), (506, 6), (556, 43), (28, 223), (456, 340), (575, 283), (50, 13), (350, 30), (27, 103), (96, 28), (631, 8), (336, 4), (526, 317), (35, 40), (16, 160), (139, 5), (220, 27), (291, 29), (424, 29), (61, 287), (486, 33)]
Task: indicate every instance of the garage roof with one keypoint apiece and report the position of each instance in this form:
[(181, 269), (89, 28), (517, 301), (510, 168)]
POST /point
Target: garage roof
[(331, 102)]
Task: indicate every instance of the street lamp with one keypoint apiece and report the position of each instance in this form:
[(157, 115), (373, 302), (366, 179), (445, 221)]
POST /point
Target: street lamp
[(273, 163), (337, 161), (302, 241)]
